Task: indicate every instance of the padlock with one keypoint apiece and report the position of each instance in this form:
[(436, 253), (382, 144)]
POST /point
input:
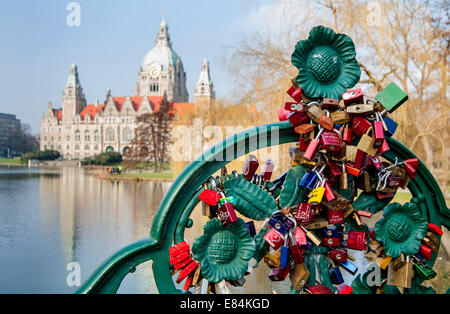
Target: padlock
[(410, 171), (294, 106), (423, 269), (433, 238), (305, 128), (316, 195), (179, 248), (333, 170), (309, 180), (284, 252), (402, 276), (325, 121), (331, 140), (267, 169), (376, 162), (360, 159), (280, 222), (340, 117), (346, 134), (303, 144), (282, 114), (335, 274), (299, 276), (311, 236), (344, 289), (335, 216), (354, 96), (350, 154), (378, 132), (274, 239), (318, 289), (360, 125), (390, 126), (329, 242), (300, 236), (360, 109), (188, 282), (352, 170), (294, 247), (251, 228), (366, 143), (391, 97), (348, 266), (329, 193), (179, 258), (425, 251), (272, 259), (364, 213), (357, 240), (314, 111), (339, 255), (343, 179), (330, 104), (338, 203), (304, 213), (279, 273), (435, 229), (250, 167), (226, 212), (209, 197), (331, 232), (187, 270), (313, 144), (297, 118), (295, 92), (429, 243)]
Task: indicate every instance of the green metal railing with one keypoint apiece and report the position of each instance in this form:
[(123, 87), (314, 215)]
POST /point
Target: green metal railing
[(174, 210)]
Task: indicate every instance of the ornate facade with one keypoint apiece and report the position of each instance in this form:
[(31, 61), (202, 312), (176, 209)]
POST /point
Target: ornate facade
[(79, 130)]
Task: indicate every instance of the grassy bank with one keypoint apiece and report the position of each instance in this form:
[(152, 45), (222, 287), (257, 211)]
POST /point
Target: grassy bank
[(144, 176), (10, 162)]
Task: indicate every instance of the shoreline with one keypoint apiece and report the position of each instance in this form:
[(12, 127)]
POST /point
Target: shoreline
[(133, 178)]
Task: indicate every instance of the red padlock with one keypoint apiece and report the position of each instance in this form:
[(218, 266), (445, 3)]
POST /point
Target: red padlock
[(435, 229), (282, 114), (357, 240), (294, 248), (304, 214), (279, 273), (346, 134), (183, 263), (179, 258), (333, 170), (339, 255), (302, 144), (352, 170), (226, 214), (384, 148), (414, 162), (329, 194), (318, 289), (209, 197), (364, 213), (326, 241), (179, 248), (344, 289), (354, 96), (250, 167), (360, 125), (360, 159), (331, 141), (274, 239), (384, 195), (335, 216), (410, 171), (297, 118), (294, 106), (425, 251), (295, 92), (300, 236), (313, 144), (267, 169), (378, 132), (186, 271)]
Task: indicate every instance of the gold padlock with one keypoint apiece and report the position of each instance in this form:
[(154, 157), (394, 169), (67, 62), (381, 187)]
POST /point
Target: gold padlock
[(299, 276), (400, 274), (340, 117), (366, 144), (360, 109), (350, 153), (272, 259), (314, 111)]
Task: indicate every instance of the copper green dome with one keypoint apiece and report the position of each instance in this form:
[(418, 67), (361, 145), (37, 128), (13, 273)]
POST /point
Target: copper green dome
[(326, 63), (401, 229)]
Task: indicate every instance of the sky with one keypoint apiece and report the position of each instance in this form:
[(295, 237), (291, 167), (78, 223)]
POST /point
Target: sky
[(38, 46)]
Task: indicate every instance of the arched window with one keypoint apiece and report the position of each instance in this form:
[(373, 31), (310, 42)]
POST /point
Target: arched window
[(110, 135), (77, 135), (87, 137), (77, 147), (86, 147), (127, 134), (96, 136), (125, 150), (109, 149)]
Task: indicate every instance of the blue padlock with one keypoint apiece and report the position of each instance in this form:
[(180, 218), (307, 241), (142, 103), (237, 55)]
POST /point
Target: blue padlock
[(251, 228), (335, 275), (309, 180), (284, 254), (330, 233), (391, 126), (280, 223), (348, 266)]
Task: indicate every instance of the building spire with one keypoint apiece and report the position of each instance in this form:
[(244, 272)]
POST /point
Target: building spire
[(163, 37), (73, 80), (205, 86)]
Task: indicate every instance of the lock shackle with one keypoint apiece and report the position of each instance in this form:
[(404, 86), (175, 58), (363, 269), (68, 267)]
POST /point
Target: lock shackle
[(314, 102), (213, 183), (235, 173)]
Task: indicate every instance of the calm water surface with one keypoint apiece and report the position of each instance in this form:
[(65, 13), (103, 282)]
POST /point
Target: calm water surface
[(51, 217)]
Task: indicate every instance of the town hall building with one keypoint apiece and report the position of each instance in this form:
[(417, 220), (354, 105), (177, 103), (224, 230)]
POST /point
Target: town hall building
[(79, 130)]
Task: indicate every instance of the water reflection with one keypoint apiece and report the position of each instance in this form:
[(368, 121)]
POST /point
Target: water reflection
[(49, 218)]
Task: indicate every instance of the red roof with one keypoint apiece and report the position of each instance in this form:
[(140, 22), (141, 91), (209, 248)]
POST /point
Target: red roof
[(136, 101), (91, 110), (58, 114)]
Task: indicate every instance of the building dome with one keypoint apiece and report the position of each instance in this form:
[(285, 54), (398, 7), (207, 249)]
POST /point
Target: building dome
[(160, 55)]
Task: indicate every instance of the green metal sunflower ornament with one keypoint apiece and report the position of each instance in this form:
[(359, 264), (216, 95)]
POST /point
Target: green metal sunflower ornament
[(223, 252), (401, 229), (326, 63)]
